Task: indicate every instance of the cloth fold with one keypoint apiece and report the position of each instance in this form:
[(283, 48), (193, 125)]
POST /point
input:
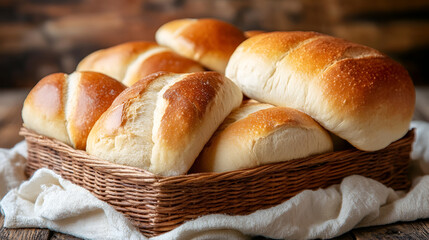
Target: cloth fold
[(12, 165), (48, 201)]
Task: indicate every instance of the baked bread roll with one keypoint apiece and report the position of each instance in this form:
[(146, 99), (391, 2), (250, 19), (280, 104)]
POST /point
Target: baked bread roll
[(256, 134), (352, 90), (162, 122), (132, 61), (207, 41), (65, 107)]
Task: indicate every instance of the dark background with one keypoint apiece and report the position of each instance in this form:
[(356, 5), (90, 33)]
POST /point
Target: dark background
[(39, 37)]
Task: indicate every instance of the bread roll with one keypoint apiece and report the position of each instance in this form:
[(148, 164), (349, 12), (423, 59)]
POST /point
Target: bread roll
[(65, 107), (162, 122), (207, 41), (132, 61), (352, 90), (256, 134)]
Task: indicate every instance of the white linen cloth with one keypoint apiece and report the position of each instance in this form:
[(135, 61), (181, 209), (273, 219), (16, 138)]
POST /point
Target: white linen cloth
[(48, 201)]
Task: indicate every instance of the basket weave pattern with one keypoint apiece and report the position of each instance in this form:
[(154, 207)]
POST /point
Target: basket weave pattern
[(157, 204)]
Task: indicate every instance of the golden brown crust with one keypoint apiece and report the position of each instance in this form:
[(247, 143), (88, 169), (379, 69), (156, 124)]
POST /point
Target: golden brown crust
[(168, 62), (361, 78), (132, 61), (113, 61), (165, 61), (187, 103), (113, 118), (44, 111), (66, 107), (257, 134), (277, 43), (95, 94), (137, 89), (265, 121), (162, 122), (208, 41), (47, 96), (214, 36), (323, 51), (352, 90), (262, 122)]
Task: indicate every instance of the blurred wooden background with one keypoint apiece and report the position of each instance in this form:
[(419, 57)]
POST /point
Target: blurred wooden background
[(39, 37)]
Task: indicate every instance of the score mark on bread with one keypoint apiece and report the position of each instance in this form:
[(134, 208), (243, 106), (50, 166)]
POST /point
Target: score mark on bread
[(165, 121), (257, 134), (132, 61), (65, 107), (352, 90), (207, 41)]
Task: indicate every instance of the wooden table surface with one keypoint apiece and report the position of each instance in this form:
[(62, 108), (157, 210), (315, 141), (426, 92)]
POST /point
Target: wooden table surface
[(398, 231), (10, 122)]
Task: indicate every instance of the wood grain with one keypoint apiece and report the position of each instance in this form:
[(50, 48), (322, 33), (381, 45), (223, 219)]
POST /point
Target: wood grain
[(418, 229), (400, 231), (346, 236), (60, 236), (10, 116), (29, 233)]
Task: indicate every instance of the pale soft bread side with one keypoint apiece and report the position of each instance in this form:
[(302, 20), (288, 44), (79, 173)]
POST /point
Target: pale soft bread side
[(352, 90), (207, 41), (65, 107), (162, 122), (132, 61), (43, 110), (256, 134)]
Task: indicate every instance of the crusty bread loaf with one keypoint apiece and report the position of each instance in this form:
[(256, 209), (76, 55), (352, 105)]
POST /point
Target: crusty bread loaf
[(207, 41), (132, 61), (257, 134), (162, 122), (353, 91), (65, 107)]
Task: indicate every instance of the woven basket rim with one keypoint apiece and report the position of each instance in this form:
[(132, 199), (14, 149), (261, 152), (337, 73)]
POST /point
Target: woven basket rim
[(128, 171)]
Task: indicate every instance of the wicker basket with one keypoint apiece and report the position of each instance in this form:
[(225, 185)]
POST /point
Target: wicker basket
[(159, 204)]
